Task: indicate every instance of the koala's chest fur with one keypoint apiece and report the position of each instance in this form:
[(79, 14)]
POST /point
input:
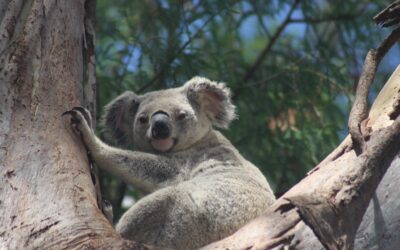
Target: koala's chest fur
[(214, 155)]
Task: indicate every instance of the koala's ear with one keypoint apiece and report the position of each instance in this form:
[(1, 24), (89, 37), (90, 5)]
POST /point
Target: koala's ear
[(213, 98), (118, 117)]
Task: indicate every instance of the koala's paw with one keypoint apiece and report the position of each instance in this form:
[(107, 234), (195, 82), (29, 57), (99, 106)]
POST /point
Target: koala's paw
[(81, 121), (75, 119)]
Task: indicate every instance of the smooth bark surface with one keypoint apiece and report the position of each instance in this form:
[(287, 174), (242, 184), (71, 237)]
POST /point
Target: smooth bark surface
[(380, 226)]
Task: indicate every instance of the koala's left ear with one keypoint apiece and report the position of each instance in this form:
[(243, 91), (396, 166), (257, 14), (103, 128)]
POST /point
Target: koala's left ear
[(118, 117), (213, 98)]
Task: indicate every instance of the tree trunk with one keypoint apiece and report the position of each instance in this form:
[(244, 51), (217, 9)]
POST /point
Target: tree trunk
[(47, 196), (380, 227)]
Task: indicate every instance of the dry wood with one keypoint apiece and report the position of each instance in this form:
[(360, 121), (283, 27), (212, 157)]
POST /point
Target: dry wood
[(359, 111)]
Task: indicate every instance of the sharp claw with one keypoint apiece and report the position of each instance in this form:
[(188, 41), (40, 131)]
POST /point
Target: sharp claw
[(69, 112), (85, 114), (80, 109), (73, 115)]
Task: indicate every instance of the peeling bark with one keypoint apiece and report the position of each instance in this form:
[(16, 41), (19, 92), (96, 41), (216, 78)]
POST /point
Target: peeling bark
[(47, 196), (359, 111)]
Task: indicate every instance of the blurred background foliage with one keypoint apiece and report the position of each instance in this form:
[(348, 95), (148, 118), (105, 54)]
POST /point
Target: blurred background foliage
[(292, 66)]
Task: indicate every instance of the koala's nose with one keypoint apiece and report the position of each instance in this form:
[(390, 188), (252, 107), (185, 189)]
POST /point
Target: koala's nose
[(161, 127)]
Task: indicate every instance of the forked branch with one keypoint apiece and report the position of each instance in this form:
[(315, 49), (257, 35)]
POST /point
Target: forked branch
[(325, 209), (359, 111)]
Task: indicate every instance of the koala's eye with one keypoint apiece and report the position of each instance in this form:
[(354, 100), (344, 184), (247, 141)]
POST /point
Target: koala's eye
[(181, 115), (143, 119)]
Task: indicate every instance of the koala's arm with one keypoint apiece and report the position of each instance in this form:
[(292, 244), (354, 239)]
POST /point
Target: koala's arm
[(143, 170)]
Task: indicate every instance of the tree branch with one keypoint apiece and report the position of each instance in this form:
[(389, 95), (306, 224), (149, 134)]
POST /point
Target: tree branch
[(259, 17), (250, 72), (170, 60), (328, 205), (359, 111), (389, 16), (325, 19)]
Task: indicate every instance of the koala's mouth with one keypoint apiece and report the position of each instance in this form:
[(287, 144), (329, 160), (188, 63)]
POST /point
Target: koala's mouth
[(163, 145)]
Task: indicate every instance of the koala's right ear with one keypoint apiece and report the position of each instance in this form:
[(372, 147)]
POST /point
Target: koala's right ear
[(118, 117)]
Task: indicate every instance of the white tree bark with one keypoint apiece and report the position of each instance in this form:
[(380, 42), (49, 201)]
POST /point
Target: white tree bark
[(380, 227)]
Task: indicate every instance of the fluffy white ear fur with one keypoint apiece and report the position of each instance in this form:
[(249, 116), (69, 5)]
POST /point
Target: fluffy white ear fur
[(213, 98)]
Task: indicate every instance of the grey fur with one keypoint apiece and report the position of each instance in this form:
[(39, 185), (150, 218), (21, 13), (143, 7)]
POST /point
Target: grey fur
[(117, 120), (201, 189)]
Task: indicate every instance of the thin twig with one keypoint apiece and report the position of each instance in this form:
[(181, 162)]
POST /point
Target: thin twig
[(324, 19), (250, 72), (259, 17), (266, 80), (180, 50)]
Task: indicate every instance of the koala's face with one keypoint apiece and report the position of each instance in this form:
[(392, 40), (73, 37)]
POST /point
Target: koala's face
[(169, 120), (166, 121)]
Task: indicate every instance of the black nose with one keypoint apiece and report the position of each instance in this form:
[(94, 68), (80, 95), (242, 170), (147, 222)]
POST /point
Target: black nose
[(160, 126)]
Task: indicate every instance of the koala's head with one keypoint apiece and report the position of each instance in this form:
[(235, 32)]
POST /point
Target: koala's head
[(169, 120)]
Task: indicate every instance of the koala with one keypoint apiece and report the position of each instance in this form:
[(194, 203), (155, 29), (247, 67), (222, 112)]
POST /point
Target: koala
[(199, 188)]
